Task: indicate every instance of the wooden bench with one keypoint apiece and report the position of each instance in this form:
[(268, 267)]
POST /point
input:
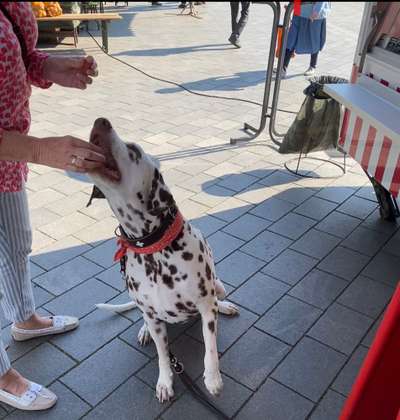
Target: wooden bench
[(103, 18)]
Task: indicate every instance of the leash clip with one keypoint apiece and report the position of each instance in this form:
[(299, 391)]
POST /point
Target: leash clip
[(176, 364)]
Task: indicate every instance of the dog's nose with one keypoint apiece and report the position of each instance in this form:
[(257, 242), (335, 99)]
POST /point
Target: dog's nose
[(103, 123)]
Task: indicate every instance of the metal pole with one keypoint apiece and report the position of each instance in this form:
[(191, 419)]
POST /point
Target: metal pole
[(276, 8)]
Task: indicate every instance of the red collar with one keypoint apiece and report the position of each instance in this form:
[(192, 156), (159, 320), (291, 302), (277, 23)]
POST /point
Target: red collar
[(136, 246)]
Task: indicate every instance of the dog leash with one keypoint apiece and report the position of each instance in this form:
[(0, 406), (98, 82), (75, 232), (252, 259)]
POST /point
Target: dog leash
[(193, 388)]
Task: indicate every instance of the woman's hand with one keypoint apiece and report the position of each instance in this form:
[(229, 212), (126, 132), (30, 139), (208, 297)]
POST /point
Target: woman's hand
[(68, 153), (75, 72)]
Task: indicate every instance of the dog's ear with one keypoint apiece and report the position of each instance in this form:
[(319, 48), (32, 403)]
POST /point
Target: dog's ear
[(96, 193)]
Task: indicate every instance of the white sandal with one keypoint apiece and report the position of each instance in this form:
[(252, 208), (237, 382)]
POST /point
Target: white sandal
[(35, 398), (61, 324)]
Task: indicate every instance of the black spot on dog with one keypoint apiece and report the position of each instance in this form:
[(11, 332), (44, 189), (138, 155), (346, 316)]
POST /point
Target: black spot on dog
[(187, 256), (140, 196), (129, 217), (165, 338), (208, 272), (167, 280), (158, 330), (214, 311), (150, 315), (178, 295), (212, 292), (131, 227), (202, 288), (165, 196), (201, 258), (201, 247), (171, 314), (211, 326), (172, 269), (184, 277), (120, 211), (139, 302), (135, 285), (189, 303), (180, 306)]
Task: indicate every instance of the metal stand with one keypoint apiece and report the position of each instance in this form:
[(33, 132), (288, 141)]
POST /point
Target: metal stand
[(276, 8)]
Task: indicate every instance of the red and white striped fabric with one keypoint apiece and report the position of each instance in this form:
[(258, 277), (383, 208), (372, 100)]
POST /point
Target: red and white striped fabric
[(375, 152)]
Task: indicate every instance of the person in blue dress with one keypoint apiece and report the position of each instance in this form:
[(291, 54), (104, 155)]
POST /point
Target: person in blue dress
[(307, 34)]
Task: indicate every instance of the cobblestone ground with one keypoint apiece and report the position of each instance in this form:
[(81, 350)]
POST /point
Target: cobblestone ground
[(308, 261)]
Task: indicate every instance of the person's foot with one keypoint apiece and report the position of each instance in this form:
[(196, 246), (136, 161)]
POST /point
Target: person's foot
[(37, 326), (156, 3), (234, 41), (283, 74), (310, 71), (182, 6), (18, 392)]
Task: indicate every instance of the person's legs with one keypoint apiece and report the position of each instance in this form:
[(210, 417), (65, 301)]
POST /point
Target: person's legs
[(244, 16), (286, 60), (313, 60), (234, 15), (15, 246)]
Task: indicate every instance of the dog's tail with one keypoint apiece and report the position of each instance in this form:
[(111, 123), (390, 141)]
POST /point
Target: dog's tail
[(116, 308)]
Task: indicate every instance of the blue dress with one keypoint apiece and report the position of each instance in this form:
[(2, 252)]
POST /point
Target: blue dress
[(307, 36)]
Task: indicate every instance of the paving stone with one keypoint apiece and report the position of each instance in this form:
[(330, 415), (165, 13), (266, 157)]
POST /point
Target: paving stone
[(246, 227), (366, 296), (261, 353), (68, 275), (369, 338), (290, 266), (44, 197), (98, 232), (40, 240), (35, 270), (68, 225), (341, 328), (296, 194), (318, 288), (393, 246), (133, 398), (192, 210), (94, 331), (230, 209), (316, 208), (222, 245), (44, 364), (366, 241), (68, 407), (82, 299), (59, 252), (330, 407), (289, 319), (208, 225), (266, 246), (41, 216), (273, 401), (229, 329), (100, 374), (315, 244), (338, 224), (292, 226), (259, 293), (309, 368), (237, 268), (272, 209), (279, 179), (237, 182), (212, 196), (357, 207), (113, 277), (375, 222), (64, 207), (229, 402), (348, 374), (384, 268), (103, 254), (344, 263), (335, 194)]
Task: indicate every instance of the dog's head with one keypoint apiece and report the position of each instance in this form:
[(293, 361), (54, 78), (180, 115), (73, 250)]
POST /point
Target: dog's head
[(130, 180)]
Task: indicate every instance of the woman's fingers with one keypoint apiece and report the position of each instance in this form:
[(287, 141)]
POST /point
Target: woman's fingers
[(86, 154)]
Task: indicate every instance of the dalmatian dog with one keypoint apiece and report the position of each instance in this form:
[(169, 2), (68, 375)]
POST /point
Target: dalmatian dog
[(169, 286)]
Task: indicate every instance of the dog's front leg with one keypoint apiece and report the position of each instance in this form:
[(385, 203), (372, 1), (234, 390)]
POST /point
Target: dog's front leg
[(158, 332), (212, 375)]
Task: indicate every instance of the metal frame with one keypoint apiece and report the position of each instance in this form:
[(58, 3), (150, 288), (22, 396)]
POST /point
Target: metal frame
[(276, 8)]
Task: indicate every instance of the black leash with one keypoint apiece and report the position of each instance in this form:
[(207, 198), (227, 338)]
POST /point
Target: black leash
[(194, 389)]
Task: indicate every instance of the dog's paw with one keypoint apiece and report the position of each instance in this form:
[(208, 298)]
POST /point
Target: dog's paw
[(164, 391), (227, 308), (144, 336), (213, 383)]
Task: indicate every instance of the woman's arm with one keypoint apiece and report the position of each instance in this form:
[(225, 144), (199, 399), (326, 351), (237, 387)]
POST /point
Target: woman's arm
[(56, 152)]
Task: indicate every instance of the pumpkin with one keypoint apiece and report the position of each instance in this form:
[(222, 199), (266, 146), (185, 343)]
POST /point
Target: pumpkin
[(38, 9), (53, 8)]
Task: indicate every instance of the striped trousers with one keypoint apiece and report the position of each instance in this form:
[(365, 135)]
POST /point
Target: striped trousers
[(15, 246)]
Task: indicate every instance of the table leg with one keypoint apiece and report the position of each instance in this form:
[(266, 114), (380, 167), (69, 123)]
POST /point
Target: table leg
[(104, 34)]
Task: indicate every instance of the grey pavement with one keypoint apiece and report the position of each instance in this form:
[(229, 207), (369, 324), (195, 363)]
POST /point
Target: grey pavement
[(308, 261)]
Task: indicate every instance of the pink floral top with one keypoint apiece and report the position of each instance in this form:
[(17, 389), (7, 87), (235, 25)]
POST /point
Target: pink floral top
[(15, 84)]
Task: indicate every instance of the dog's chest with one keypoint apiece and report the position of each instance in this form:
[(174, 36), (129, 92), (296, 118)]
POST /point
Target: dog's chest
[(169, 284)]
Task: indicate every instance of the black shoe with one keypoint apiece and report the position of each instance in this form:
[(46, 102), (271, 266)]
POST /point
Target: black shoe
[(156, 3), (182, 6), (234, 41)]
